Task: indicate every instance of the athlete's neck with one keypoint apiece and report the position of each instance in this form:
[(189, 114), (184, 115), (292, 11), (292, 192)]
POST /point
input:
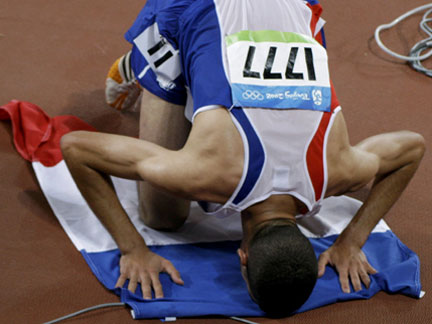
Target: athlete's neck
[(281, 208)]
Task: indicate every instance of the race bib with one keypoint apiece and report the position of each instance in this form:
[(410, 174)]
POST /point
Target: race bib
[(270, 69), (161, 56)]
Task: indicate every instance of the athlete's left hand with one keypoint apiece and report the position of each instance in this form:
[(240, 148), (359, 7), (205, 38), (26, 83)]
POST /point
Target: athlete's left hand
[(351, 264)]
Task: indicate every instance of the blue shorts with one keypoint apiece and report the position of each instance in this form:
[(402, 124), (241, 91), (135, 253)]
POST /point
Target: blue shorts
[(164, 58), (179, 51)]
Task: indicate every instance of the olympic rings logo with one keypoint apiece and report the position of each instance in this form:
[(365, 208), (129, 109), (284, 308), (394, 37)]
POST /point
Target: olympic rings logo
[(252, 95), (317, 97)]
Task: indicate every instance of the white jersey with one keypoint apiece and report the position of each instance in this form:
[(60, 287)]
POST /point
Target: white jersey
[(285, 153), (264, 60)]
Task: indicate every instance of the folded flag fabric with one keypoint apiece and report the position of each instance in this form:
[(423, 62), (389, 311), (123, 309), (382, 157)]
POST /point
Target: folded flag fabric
[(37, 136), (204, 249)]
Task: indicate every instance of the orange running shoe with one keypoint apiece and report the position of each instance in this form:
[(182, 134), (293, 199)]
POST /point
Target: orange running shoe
[(122, 90)]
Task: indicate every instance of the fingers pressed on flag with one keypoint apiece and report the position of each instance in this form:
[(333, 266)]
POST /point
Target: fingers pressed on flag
[(355, 280), (173, 273), (120, 281), (133, 283), (322, 263), (344, 281), (157, 287), (146, 286), (371, 269), (364, 276)]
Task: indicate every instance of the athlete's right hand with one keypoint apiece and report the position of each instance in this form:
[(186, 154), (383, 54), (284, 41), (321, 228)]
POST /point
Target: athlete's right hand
[(140, 265)]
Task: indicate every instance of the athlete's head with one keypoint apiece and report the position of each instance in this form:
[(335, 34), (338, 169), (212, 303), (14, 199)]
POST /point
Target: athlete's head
[(280, 267)]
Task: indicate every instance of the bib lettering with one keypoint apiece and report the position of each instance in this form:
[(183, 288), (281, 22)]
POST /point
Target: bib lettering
[(270, 69), (161, 56)]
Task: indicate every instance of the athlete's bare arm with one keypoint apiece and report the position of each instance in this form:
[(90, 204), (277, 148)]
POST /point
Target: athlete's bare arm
[(91, 157), (390, 160), (205, 169)]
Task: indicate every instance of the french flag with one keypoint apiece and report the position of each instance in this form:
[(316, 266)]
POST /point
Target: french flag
[(204, 249)]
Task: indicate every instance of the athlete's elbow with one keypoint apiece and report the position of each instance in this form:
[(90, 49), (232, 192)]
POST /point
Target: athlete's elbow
[(418, 146), (70, 145)]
